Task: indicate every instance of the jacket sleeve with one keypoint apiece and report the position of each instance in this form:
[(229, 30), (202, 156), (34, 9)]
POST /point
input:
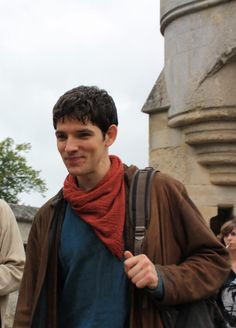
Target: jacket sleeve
[(203, 263), (26, 297), (35, 269), (12, 254)]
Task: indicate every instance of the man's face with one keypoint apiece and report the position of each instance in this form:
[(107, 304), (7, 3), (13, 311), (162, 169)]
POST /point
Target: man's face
[(83, 147)]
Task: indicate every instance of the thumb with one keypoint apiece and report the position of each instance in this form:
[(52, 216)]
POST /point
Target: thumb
[(128, 254)]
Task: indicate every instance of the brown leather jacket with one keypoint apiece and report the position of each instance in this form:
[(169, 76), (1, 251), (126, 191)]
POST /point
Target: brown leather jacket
[(193, 266)]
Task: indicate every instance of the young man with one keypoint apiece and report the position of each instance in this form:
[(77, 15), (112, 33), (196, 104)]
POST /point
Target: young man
[(12, 257), (80, 269)]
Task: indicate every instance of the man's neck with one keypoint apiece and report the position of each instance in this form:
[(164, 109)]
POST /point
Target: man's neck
[(89, 181)]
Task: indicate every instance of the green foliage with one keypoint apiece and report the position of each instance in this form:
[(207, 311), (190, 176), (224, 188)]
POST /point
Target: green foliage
[(15, 175)]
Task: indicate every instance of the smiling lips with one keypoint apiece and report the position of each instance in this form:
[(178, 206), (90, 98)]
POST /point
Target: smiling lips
[(74, 159)]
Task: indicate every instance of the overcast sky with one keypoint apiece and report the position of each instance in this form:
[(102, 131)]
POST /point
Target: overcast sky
[(50, 46)]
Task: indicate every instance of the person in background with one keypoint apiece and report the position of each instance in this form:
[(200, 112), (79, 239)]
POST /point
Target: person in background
[(227, 294), (80, 269), (12, 257)]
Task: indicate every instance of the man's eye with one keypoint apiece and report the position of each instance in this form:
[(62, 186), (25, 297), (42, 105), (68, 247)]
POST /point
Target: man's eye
[(60, 137), (83, 135)]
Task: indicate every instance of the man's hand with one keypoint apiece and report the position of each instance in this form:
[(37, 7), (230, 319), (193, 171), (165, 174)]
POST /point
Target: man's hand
[(140, 270)]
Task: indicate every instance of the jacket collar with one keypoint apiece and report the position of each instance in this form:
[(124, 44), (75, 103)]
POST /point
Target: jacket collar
[(57, 198)]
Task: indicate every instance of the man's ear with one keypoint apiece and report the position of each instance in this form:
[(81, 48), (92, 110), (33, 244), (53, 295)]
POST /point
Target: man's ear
[(111, 134)]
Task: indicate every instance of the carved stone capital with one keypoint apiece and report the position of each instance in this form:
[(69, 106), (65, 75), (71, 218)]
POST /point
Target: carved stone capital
[(214, 143)]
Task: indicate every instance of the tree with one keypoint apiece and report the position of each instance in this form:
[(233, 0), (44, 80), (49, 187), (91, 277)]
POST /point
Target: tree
[(15, 175)]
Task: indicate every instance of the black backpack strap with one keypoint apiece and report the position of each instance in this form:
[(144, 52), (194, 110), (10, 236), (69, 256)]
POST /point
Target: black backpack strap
[(139, 204)]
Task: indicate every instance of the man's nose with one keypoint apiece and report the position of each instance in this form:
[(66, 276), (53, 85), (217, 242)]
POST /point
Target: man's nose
[(71, 145)]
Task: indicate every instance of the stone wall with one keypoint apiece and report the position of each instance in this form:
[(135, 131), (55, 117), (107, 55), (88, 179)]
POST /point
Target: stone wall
[(24, 216)]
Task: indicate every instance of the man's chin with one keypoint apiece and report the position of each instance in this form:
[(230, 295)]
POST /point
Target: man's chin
[(74, 172)]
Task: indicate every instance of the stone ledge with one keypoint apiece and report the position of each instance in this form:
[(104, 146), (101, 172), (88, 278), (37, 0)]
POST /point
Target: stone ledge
[(187, 8)]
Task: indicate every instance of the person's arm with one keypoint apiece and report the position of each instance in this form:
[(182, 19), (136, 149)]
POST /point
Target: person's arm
[(204, 265), (26, 297), (205, 262), (12, 254), (35, 267)]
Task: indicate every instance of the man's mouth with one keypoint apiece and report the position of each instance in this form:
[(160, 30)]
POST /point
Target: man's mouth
[(74, 159)]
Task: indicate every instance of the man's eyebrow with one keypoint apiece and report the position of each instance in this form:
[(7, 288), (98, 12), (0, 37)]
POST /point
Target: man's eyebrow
[(58, 132), (76, 131), (84, 130)]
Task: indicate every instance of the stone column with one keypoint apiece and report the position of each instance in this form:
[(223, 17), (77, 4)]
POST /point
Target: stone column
[(192, 106)]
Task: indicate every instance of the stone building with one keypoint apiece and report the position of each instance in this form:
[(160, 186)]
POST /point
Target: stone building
[(192, 106), (24, 216)]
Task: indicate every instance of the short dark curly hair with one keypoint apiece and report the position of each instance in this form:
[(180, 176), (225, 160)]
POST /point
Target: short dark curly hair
[(87, 103)]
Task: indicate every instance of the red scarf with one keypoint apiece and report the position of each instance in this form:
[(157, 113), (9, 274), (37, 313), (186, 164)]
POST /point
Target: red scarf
[(103, 207)]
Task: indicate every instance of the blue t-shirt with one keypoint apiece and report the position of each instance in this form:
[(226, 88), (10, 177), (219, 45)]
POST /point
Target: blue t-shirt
[(94, 284)]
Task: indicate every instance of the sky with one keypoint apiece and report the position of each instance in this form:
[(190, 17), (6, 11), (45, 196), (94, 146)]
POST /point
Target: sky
[(51, 46)]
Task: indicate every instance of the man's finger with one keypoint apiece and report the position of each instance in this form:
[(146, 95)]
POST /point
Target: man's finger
[(128, 254)]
